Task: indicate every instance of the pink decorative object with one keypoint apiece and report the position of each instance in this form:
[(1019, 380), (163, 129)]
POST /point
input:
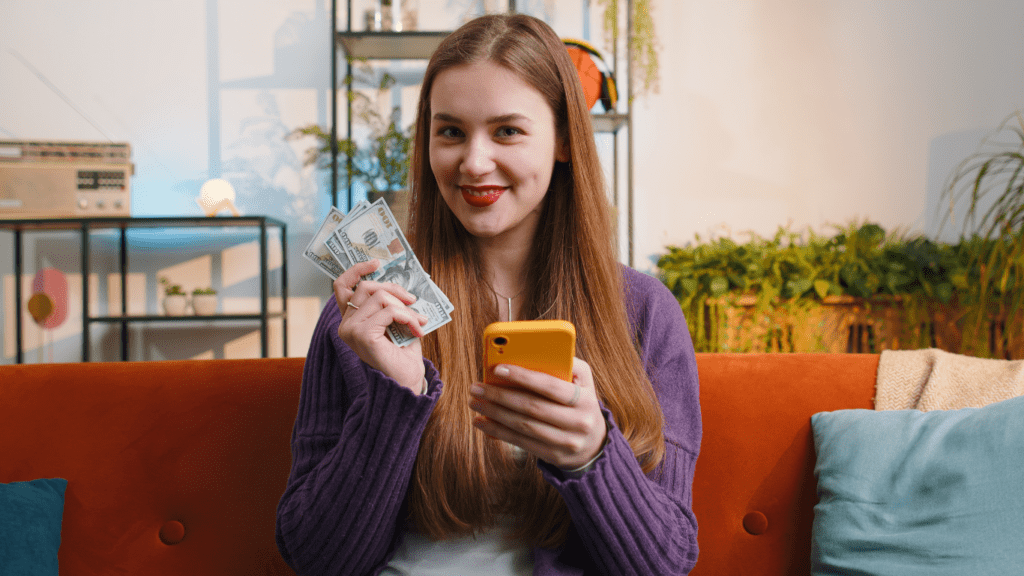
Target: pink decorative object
[(52, 283)]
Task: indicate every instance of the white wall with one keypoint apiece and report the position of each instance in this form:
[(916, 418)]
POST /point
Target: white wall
[(794, 111)]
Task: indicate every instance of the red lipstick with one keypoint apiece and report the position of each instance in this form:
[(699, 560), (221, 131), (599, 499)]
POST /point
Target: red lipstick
[(481, 196)]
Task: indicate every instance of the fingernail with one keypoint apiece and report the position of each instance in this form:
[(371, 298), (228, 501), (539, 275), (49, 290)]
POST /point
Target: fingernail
[(476, 390), (502, 370)]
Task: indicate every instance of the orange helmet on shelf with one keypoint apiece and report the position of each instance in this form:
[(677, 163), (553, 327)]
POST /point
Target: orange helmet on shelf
[(595, 76)]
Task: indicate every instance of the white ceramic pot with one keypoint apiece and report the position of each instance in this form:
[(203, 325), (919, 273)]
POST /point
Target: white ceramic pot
[(204, 304), (175, 304)]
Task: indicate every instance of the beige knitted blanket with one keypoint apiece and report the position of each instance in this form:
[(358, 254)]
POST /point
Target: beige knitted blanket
[(934, 379)]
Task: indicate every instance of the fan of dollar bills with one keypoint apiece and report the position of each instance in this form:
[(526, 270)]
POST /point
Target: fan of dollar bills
[(370, 231)]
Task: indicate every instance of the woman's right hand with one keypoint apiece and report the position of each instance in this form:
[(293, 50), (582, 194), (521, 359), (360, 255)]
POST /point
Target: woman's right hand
[(367, 309)]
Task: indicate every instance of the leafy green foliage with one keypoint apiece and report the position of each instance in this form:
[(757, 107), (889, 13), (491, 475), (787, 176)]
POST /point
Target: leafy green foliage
[(382, 161), (993, 239), (857, 261), (801, 271), (171, 289)]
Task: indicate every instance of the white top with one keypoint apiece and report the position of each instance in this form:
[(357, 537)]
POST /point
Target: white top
[(486, 554)]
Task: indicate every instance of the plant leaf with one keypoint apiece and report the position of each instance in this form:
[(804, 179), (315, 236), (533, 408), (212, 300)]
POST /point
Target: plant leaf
[(719, 285), (821, 288)]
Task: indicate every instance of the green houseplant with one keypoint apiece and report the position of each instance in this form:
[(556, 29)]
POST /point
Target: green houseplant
[(805, 292), (379, 162), (992, 237)]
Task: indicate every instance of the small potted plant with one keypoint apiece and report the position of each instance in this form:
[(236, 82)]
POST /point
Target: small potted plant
[(204, 301), (175, 300)]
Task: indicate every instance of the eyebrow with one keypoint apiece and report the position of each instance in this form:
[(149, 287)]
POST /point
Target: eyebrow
[(515, 116)]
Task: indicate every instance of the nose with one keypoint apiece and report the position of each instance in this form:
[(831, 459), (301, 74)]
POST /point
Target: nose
[(479, 157)]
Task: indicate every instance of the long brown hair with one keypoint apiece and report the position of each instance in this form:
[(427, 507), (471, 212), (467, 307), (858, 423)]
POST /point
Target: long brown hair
[(462, 479)]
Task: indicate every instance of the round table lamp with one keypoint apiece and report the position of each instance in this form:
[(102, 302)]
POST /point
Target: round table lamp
[(215, 195)]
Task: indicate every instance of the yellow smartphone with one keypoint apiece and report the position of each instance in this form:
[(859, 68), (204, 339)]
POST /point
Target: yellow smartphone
[(543, 345)]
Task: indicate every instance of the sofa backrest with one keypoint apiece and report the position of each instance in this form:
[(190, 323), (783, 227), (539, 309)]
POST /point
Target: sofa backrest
[(754, 488), (173, 467), (176, 467)]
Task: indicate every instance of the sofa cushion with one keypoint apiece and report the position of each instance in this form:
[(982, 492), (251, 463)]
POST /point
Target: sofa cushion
[(30, 518), (906, 492)]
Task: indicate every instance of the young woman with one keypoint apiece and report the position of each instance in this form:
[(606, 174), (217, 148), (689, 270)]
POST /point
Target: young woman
[(404, 462)]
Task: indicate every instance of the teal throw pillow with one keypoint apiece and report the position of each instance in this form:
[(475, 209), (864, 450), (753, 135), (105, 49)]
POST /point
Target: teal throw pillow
[(30, 517), (908, 493)]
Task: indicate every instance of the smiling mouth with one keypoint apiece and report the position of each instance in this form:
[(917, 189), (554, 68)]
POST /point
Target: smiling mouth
[(481, 196)]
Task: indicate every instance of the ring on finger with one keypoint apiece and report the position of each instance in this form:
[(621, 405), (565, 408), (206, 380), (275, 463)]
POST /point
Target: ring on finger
[(575, 395), (351, 305)]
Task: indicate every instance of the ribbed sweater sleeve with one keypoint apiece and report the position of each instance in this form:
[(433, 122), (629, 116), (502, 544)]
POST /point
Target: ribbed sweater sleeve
[(629, 522), (354, 443)]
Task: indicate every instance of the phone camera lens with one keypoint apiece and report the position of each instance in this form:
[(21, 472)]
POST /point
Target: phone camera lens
[(500, 341)]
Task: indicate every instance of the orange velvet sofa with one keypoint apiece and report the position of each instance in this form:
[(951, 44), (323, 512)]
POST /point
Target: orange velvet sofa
[(176, 467)]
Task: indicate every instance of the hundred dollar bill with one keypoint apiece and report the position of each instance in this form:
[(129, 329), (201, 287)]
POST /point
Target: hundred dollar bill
[(427, 303), (356, 211), (336, 250), (374, 233), (377, 236), (317, 252)]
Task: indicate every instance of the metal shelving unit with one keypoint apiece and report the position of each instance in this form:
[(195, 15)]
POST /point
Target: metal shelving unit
[(85, 226), (390, 45)]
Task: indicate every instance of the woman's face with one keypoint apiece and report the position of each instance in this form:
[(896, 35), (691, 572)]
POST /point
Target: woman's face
[(492, 149)]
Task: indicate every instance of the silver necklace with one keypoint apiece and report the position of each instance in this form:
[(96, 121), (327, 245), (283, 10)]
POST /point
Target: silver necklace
[(508, 298)]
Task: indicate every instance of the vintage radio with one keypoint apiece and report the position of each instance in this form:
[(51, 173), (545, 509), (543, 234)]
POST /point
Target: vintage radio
[(64, 179)]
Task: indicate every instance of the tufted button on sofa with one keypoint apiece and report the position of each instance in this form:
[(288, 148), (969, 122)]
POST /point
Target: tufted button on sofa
[(754, 488)]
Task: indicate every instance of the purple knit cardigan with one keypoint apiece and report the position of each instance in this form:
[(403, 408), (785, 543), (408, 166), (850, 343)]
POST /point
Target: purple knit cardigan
[(357, 433)]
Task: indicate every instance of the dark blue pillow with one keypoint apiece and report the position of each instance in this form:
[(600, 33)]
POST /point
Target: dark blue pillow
[(910, 493), (30, 517)]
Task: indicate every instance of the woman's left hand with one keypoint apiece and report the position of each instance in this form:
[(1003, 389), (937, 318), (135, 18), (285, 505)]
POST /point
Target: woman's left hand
[(557, 421)]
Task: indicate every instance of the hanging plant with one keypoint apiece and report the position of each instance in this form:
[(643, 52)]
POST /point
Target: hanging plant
[(643, 46)]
